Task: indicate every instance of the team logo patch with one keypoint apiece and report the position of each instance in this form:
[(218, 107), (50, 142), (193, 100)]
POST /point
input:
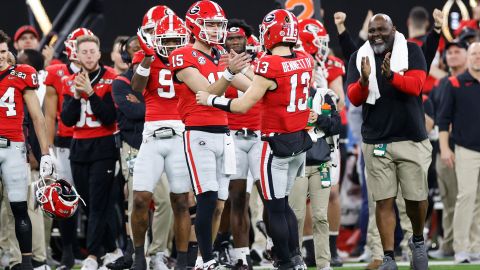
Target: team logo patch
[(60, 73), (70, 83), (234, 30), (169, 12), (194, 10), (201, 143), (201, 60), (312, 28), (194, 53), (269, 18)]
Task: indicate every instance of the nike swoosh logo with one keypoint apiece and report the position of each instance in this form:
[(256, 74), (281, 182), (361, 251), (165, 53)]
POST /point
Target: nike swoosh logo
[(109, 171)]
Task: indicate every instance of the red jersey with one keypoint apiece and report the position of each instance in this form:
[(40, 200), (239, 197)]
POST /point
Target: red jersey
[(14, 80), (335, 68), (194, 114), (284, 109), (250, 120), (88, 126), (160, 97), (56, 74)]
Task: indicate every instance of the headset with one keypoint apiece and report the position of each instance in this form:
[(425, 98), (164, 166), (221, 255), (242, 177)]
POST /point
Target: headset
[(126, 58)]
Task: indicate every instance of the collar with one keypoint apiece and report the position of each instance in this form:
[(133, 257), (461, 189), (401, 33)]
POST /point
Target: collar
[(467, 77), (216, 55)]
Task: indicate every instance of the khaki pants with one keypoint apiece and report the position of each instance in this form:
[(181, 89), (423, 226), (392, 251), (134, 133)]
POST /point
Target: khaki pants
[(163, 215), (405, 164), (38, 231), (466, 219), (319, 197), (447, 184)]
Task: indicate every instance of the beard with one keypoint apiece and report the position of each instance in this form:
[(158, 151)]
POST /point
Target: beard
[(379, 49)]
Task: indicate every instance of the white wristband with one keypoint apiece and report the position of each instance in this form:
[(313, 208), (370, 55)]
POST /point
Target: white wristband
[(210, 100), (145, 72), (227, 75)]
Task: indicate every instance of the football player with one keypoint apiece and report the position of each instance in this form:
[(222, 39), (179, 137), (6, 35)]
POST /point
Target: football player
[(162, 137), (246, 131), (209, 147), (61, 138), (328, 74), (282, 80), (16, 85), (88, 107)]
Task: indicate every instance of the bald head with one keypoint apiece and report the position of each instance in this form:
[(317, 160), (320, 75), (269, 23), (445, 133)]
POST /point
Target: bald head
[(381, 33), (473, 55), (381, 17)]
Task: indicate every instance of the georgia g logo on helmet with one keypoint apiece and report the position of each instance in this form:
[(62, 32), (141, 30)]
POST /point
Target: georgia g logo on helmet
[(194, 10), (234, 30), (312, 28), (269, 18)]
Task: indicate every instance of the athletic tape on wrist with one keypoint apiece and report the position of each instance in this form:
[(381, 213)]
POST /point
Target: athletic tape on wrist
[(145, 72), (228, 75)]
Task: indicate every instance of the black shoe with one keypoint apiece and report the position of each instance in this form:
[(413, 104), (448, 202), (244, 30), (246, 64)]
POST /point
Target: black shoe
[(224, 257), (139, 264), (336, 262), (255, 257), (298, 262), (283, 265), (240, 266), (121, 263)]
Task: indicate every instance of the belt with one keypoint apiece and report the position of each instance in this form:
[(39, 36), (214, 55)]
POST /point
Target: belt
[(4, 142), (245, 132)]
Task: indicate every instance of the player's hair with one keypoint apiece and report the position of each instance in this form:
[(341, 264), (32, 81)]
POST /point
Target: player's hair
[(88, 38), (119, 40), (4, 38), (241, 24), (419, 17), (34, 59)]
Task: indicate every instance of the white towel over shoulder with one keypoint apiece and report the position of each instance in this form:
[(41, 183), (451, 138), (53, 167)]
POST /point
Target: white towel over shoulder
[(398, 63)]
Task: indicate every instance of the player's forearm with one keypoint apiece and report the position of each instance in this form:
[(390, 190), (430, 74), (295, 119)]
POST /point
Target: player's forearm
[(219, 87), (139, 80), (41, 132), (50, 124), (443, 140)]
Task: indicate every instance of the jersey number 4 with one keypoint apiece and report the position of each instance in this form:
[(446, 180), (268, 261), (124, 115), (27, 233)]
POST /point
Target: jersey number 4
[(302, 102), (8, 101)]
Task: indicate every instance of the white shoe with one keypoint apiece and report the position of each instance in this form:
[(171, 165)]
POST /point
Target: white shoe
[(326, 268), (43, 267), (158, 261), (366, 256), (110, 257), (462, 257), (474, 257), (198, 264), (89, 264)]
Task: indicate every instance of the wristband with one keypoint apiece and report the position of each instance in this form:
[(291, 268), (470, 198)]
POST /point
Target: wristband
[(221, 103), (244, 70), (228, 75), (145, 72)]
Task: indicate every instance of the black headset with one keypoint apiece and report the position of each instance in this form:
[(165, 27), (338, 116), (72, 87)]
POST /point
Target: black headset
[(126, 58)]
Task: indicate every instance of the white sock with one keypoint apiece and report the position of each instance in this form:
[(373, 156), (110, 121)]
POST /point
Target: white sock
[(241, 254)]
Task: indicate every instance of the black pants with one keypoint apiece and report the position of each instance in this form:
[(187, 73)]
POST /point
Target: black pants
[(94, 182)]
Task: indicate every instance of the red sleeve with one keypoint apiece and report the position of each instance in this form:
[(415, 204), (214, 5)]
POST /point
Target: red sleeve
[(183, 58), (31, 78), (335, 68), (266, 67), (68, 85), (51, 74), (357, 94), (411, 83)]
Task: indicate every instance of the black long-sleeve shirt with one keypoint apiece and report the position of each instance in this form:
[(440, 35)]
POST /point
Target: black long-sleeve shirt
[(130, 115), (91, 149), (459, 107)]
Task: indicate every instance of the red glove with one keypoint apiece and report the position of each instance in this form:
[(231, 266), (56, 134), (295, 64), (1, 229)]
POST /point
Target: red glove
[(145, 43)]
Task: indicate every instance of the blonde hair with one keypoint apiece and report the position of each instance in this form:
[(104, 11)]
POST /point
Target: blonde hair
[(88, 38)]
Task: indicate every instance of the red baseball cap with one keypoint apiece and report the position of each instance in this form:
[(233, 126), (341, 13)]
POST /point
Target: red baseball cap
[(25, 29)]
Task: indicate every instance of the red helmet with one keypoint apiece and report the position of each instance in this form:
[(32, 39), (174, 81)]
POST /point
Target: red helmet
[(57, 200), (71, 42), (168, 28), (154, 14), (200, 14), (314, 37), (278, 26), (253, 44)]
